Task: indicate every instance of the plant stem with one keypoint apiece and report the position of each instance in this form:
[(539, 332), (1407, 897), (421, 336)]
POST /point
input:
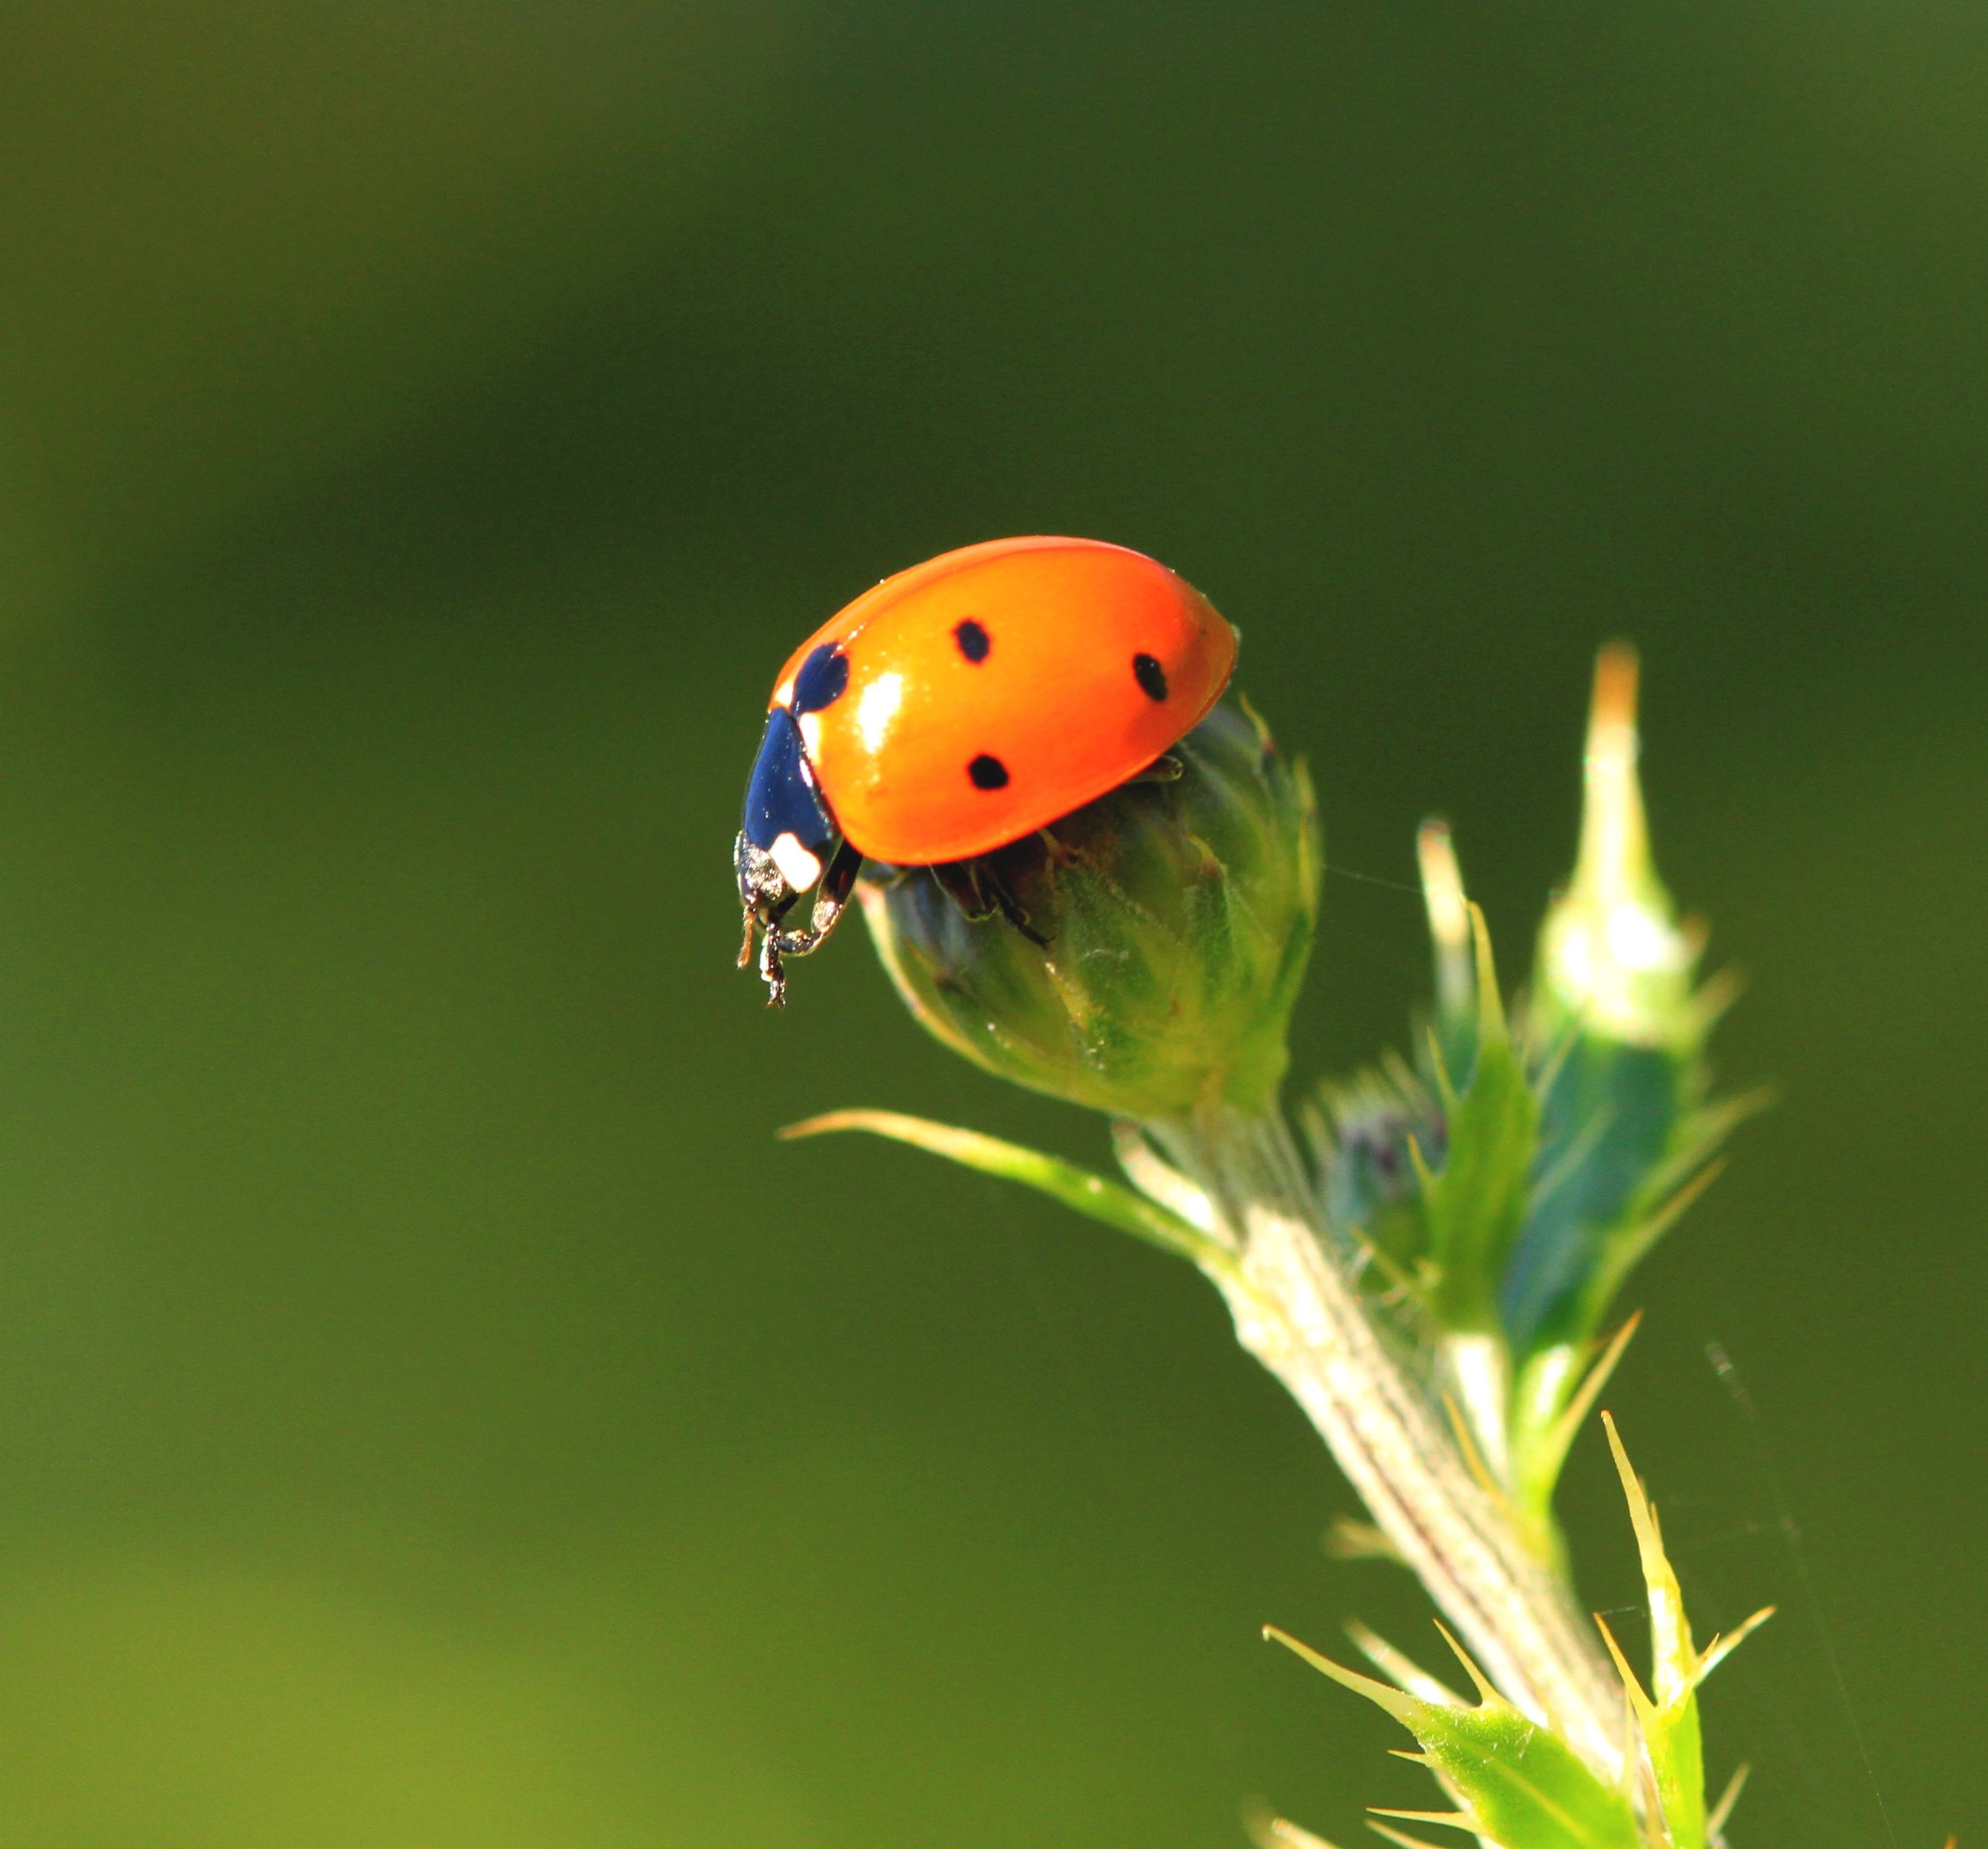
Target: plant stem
[(1300, 1310)]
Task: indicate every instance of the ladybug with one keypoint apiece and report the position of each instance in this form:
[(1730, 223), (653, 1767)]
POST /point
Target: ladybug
[(960, 706)]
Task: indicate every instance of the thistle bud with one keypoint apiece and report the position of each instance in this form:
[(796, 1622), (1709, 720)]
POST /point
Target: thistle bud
[(1616, 1019), (1141, 955), (1614, 960)]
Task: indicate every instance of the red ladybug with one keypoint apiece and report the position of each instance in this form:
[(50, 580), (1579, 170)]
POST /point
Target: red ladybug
[(960, 706)]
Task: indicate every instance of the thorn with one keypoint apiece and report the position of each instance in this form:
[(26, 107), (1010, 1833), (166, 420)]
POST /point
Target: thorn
[(1490, 1010), (1715, 1823), (1289, 1835), (1446, 1086), (1632, 1757), (1487, 1693), (1268, 1830), (1409, 1677), (1574, 1414), (1674, 1660), (1400, 1705), (1395, 1835), (1349, 1539), (1448, 918), (1642, 1237), (1442, 885), (1640, 1701), (1721, 1648), (1454, 1820), (1632, 1485)]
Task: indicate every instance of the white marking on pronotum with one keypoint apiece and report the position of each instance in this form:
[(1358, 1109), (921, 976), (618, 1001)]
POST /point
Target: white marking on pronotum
[(878, 707), (783, 694), (810, 725), (799, 867)]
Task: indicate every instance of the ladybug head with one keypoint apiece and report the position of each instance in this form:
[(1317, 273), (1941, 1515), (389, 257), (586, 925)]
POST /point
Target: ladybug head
[(788, 845), (787, 833)]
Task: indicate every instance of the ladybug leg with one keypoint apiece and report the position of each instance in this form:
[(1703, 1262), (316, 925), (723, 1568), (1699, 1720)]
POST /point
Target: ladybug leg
[(977, 889), (1059, 854), (767, 920), (1012, 909), (766, 915), (964, 884), (770, 972), (1166, 769), (831, 898)]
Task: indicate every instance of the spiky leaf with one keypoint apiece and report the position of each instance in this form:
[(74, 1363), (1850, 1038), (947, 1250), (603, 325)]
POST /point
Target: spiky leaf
[(1513, 1782), (1666, 1717)]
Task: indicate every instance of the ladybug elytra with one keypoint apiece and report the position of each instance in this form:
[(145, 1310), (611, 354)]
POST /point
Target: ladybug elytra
[(961, 706)]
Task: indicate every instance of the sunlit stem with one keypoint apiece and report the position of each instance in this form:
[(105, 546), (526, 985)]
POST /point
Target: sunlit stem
[(1299, 1309)]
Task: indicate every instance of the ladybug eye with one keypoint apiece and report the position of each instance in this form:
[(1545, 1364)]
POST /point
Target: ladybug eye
[(1151, 676), (988, 773), (973, 640)]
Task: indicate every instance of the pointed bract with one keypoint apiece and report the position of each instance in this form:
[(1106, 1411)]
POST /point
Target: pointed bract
[(1091, 1195), (1517, 1784), (1473, 1206)]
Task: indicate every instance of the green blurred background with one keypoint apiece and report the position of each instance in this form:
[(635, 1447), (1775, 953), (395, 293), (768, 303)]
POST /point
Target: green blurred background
[(433, 1411)]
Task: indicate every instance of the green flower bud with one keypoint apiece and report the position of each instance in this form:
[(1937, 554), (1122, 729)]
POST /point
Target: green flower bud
[(1613, 961), (1141, 955), (1617, 1025)]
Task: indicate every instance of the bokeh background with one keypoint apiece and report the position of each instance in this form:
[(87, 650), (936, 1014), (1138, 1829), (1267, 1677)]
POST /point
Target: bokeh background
[(433, 1410)]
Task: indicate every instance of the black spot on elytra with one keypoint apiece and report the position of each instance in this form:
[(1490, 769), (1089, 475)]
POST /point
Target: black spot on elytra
[(988, 773), (1151, 676), (824, 678), (973, 640)]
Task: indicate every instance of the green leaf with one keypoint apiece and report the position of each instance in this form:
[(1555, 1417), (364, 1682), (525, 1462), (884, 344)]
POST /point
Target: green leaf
[(1473, 1208), (1513, 1782), (1090, 1193)]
